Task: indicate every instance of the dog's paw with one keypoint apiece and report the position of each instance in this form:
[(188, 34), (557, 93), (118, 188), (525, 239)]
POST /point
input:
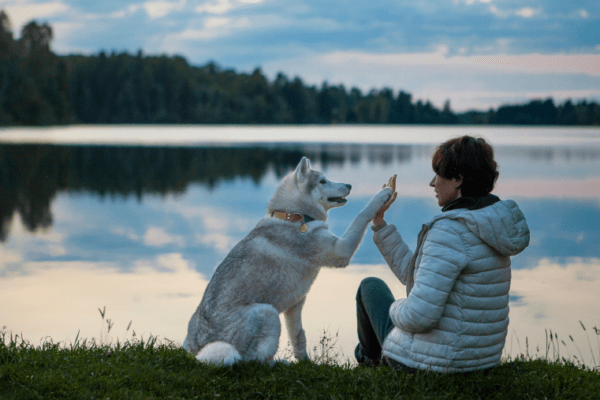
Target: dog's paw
[(300, 356), (299, 345), (377, 202), (279, 361), (384, 195), (380, 199)]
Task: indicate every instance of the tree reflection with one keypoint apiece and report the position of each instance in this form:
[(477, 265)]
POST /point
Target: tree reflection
[(32, 175)]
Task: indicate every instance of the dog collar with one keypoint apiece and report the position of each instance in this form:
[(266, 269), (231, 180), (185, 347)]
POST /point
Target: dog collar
[(292, 217)]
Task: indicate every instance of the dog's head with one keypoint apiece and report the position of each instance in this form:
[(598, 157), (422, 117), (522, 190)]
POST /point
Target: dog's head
[(308, 192)]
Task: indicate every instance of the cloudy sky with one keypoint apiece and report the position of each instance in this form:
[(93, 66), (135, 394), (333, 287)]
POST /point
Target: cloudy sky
[(477, 53)]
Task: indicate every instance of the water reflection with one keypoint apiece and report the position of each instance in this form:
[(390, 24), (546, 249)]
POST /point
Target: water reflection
[(140, 230), (32, 175), (158, 295)]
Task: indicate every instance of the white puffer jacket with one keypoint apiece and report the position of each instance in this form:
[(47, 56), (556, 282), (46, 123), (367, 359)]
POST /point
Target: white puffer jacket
[(455, 315)]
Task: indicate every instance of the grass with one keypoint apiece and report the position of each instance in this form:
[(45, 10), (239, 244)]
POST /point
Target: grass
[(150, 369)]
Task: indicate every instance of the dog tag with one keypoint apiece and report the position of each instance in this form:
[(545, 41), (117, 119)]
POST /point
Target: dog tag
[(303, 228)]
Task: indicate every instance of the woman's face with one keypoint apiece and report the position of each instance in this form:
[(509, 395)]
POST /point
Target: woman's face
[(446, 190)]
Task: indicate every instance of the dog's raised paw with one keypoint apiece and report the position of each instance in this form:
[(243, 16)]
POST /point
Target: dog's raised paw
[(383, 196), (377, 202)]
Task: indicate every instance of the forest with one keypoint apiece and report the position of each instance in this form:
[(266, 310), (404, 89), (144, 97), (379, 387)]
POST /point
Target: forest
[(41, 88)]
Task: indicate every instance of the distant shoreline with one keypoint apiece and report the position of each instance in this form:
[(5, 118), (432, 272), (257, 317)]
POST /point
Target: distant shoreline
[(241, 135)]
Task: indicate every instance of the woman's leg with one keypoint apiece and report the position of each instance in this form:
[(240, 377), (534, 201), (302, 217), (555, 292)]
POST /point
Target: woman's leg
[(373, 301)]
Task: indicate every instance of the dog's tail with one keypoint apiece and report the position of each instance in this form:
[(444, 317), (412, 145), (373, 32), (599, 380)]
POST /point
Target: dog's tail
[(219, 353)]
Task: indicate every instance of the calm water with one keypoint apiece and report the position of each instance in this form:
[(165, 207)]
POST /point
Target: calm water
[(136, 219)]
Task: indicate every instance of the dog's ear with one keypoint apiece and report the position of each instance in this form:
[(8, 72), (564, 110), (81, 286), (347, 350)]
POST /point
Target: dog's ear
[(302, 169)]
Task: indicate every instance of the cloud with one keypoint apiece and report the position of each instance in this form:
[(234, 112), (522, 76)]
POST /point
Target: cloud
[(10, 263), (223, 27), (171, 262), (217, 240), (211, 226), (224, 6), (215, 218), (499, 13), (528, 12), (157, 237), (125, 232), (48, 242), (471, 2), (158, 9), (474, 81), (8, 256), (20, 13), (535, 63), (215, 27), (58, 299), (221, 7), (548, 294), (154, 9)]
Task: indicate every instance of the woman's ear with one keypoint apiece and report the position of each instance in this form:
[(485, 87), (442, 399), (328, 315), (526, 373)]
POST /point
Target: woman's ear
[(459, 182)]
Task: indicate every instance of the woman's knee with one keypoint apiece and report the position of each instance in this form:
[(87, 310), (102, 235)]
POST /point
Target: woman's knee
[(368, 285)]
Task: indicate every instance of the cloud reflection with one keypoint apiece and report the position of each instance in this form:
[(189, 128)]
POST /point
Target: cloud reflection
[(556, 296), (160, 294), (156, 236), (59, 299)]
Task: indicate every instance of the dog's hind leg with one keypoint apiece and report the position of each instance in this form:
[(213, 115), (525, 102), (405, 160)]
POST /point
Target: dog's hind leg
[(258, 334), (293, 323)]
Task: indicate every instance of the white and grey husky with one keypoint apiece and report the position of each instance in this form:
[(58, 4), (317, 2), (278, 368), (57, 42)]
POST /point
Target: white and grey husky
[(271, 270)]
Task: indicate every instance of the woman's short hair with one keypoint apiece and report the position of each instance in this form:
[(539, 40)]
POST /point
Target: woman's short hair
[(471, 159)]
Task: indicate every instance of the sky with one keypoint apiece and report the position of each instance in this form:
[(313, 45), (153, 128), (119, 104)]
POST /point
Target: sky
[(476, 53)]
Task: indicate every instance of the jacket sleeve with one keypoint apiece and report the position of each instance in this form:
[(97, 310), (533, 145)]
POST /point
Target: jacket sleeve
[(394, 250), (442, 260)]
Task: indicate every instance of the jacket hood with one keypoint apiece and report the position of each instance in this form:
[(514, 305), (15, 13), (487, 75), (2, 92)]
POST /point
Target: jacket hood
[(501, 225)]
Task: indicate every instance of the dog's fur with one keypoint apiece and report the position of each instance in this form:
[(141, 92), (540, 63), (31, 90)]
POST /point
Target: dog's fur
[(271, 270)]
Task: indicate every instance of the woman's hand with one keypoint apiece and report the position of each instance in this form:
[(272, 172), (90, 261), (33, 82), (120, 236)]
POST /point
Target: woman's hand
[(392, 185)]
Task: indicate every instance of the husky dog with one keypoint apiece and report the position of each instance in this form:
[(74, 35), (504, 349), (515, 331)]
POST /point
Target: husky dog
[(271, 270)]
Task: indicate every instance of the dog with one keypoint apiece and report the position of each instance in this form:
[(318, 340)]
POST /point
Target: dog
[(271, 270)]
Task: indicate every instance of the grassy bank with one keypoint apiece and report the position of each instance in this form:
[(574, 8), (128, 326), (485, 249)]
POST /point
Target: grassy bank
[(148, 369)]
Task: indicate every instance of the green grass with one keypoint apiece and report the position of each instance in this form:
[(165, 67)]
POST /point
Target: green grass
[(139, 369), (150, 369)]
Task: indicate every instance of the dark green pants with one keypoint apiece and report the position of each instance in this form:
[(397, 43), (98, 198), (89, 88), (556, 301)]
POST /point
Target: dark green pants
[(373, 301)]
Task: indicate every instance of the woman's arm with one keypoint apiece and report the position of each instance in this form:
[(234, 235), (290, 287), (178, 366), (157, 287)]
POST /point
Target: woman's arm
[(443, 258), (394, 250), (388, 240)]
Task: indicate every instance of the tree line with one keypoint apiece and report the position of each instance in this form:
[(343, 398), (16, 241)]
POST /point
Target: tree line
[(38, 87)]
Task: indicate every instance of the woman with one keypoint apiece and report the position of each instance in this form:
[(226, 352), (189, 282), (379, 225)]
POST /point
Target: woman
[(455, 315)]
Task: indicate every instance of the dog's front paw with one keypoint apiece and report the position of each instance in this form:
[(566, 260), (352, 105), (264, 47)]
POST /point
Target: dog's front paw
[(378, 201), (300, 356), (383, 196)]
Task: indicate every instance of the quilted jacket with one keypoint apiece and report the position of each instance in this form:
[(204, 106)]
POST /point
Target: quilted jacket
[(455, 315)]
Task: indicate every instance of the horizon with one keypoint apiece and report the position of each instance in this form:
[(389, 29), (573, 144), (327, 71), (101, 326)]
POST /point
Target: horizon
[(479, 54)]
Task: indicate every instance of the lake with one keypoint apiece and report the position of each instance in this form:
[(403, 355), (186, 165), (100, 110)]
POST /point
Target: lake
[(135, 219)]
